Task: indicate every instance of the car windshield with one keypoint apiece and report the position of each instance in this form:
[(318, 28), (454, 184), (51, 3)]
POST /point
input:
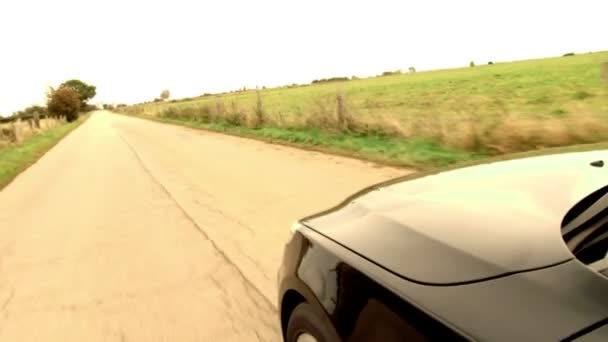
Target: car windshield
[(585, 230)]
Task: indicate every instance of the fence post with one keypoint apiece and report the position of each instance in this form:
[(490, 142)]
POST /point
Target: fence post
[(37, 120), (341, 110), (259, 109), (15, 131)]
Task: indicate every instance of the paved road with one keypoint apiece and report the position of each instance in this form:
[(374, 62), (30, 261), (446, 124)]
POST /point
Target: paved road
[(131, 230)]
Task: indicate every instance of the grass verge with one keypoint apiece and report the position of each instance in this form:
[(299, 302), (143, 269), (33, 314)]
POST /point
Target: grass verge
[(17, 158), (418, 153), (421, 154)]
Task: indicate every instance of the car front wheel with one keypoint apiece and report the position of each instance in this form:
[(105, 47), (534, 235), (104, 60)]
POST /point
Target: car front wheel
[(307, 325)]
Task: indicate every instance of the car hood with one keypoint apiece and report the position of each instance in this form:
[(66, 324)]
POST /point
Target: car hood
[(468, 224)]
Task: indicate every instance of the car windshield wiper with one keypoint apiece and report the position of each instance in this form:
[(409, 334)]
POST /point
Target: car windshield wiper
[(593, 248)]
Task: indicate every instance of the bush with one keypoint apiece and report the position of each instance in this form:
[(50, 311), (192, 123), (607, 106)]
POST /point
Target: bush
[(236, 117), (64, 101), (581, 95), (490, 63), (378, 129), (170, 113), (189, 113), (411, 70), (322, 115), (200, 114), (471, 64), (569, 54), (204, 114)]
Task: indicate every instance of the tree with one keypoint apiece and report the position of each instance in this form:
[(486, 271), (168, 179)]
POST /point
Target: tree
[(85, 91), (164, 95), (64, 101), (412, 70)]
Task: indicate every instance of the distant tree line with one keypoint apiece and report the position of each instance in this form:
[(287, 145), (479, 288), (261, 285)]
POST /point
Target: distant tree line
[(30, 112), (391, 73), (108, 106), (164, 96), (332, 79)]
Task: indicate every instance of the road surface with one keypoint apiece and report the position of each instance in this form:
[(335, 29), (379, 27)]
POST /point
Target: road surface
[(132, 230)]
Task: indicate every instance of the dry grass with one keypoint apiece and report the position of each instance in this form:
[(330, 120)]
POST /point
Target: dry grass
[(19, 131), (496, 134)]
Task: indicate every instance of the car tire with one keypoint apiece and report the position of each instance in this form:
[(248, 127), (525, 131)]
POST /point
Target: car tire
[(305, 320)]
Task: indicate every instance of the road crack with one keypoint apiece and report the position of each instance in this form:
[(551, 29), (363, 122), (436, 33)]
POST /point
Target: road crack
[(220, 251), (7, 301), (230, 218)]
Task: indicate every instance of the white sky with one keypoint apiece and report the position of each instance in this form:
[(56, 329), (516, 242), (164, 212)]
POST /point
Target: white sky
[(131, 50)]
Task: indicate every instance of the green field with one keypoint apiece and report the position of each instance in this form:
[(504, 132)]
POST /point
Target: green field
[(429, 118), (16, 158)]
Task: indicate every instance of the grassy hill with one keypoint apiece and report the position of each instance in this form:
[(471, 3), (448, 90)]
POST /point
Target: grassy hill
[(431, 118)]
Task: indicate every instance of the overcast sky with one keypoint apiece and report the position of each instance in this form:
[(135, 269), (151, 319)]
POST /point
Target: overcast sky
[(131, 50)]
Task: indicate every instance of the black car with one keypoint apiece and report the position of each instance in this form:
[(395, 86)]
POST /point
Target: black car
[(503, 251)]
